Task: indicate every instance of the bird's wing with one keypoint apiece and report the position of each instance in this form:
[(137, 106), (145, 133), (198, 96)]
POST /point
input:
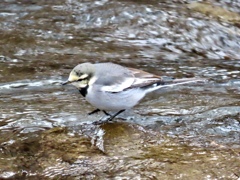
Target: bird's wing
[(116, 78), (113, 78), (142, 78)]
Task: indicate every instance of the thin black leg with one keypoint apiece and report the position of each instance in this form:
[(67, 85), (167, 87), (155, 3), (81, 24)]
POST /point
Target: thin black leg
[(97, 110), (112, 117), (94, 111), (109, 119), (107, 114)]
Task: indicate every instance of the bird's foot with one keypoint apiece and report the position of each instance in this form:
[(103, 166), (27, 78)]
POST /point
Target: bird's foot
[(97, 110), (106, 113), (94, 111), (103, 120), (110, 118)]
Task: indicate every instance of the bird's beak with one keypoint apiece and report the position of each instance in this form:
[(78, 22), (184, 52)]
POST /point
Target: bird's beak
[(67, 82)]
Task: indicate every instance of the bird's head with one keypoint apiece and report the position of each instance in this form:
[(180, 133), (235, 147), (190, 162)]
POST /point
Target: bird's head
[(81, 75)]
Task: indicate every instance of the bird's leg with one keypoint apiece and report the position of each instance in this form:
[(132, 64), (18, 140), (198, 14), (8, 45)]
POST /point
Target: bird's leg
[(94, 111), (112, 117), (109, 119), (107, 114), (97, 110)]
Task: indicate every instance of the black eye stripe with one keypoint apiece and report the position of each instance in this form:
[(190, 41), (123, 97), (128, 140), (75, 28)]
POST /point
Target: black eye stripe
[(83, 79)]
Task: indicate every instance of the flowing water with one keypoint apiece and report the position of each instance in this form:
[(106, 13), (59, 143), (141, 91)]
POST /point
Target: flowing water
[(185, 132)]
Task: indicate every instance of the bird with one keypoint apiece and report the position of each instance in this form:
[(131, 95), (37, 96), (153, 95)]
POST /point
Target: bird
[(112, 87)]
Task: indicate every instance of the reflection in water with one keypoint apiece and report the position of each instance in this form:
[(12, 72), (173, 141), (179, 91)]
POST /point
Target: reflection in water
[(45, 131)]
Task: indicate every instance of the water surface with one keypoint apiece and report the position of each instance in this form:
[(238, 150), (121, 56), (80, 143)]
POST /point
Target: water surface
[(45, 130)]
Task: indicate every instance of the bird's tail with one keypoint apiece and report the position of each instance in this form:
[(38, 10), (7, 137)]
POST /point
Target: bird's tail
[(168, 82)]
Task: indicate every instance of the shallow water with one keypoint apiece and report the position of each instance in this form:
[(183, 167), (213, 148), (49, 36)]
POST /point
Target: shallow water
[(45, 129)]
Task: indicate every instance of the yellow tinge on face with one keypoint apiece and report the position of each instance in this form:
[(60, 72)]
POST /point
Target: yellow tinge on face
[(79, 82), (73, 77)]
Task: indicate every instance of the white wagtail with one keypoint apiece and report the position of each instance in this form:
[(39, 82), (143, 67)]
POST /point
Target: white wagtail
[(112, 87)]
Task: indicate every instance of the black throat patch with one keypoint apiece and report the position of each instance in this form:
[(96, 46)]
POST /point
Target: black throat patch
[(83, 91)]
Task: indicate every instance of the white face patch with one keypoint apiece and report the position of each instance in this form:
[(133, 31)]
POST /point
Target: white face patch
[(73, 77), (83, 76), (80, 84), (92, 80)]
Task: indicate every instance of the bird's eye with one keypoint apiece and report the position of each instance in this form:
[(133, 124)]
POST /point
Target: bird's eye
[(82, 79)]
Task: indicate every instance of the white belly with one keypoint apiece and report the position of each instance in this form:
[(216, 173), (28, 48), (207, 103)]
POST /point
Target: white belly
[(114, 101)]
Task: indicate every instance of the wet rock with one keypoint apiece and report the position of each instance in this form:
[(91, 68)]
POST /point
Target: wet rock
[(215, 12), (130, 151)]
